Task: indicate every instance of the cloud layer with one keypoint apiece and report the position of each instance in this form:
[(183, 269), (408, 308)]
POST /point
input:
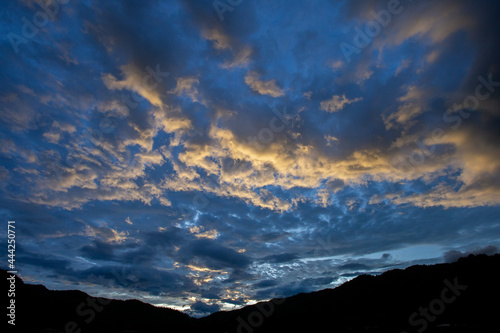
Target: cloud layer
[(161, 152)]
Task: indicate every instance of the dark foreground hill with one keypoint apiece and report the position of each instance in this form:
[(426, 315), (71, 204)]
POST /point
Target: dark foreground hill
[(458, 297)]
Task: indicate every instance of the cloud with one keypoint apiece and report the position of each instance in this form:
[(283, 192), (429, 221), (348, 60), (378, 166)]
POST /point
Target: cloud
[(17, 111), (194, 187), (199, 232), (204, 308), (98, 250), (186, 87), (212, 255), (454, 255), (172, 121), (337, 103), (263, 87), (68, 128), (241, 58), (277, 258), (220, 40), (434, 27), (331, 140), (135, 80), (413, 106), (105, 234), (354, 267), (223, 42), (335, 65), (473, 157), (51, 137)]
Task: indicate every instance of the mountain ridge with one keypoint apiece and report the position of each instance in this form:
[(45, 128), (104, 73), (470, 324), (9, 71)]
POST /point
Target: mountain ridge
[(394, 301)]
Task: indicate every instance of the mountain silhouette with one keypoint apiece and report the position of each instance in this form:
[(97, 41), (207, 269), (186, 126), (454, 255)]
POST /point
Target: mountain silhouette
[(456, 297)]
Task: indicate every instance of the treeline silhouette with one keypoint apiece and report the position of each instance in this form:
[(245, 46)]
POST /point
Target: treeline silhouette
[(457, 297)]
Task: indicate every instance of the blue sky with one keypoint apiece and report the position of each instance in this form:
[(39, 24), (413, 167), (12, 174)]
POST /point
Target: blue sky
[(205, 155)]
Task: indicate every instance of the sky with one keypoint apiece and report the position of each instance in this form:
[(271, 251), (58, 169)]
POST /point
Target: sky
[(206, 155)]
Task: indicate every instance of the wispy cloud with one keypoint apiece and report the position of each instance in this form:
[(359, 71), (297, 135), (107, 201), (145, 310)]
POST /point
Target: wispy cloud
[(263, 87)]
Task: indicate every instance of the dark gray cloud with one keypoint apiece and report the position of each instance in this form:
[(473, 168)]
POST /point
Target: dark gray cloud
[(98, 250), (203, 308), (213, 255), (454, 255), (354, 267), (284, 257)]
